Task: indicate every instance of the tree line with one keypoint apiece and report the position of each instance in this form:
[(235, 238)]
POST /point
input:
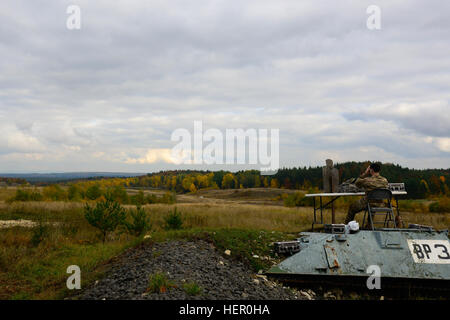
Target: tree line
[(7, 181), (419, 183), (113, 189)]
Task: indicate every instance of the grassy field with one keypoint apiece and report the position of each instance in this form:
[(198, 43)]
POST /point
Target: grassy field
[(33, 261), (6, 193)]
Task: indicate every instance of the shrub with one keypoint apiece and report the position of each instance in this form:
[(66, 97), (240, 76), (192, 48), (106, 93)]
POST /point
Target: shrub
[(39, 233), (158, 283), (74, 193), (93, 192), (140, 222), (169, 198), (442, 205), (138, 199), (290, 200), (174, 220), (107, 215), (54, 193), (434, 207), (118, 193), (26, 195), (21, 195), (297, 199), (416, 206), (192, 289), (151, 198)]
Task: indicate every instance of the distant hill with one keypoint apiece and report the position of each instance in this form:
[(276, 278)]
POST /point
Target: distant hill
[(66, 176)]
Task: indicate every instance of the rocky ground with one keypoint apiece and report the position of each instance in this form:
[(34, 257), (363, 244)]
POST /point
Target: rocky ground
[(215, 275), (17, 223)]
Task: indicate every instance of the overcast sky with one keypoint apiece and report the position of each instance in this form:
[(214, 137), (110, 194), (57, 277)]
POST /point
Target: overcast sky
[(108, 96)]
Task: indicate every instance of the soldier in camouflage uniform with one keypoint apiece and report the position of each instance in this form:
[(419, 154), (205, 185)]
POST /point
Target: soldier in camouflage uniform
[(369, 181)]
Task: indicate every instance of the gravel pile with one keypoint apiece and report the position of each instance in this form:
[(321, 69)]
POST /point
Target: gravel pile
[(184, 262)]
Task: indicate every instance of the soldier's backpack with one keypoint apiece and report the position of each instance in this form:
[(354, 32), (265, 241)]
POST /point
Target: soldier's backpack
[(349, 186)]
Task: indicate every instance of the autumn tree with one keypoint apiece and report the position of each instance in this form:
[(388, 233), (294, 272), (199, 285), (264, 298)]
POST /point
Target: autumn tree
[(274, 183), (229, 181)]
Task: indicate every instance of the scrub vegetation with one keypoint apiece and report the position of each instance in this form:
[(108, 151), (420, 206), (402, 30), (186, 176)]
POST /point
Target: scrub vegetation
[(34, 260)]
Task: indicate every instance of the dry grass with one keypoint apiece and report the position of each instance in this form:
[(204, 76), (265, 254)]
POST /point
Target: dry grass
[(7, 192), (211, 214), (242, 216), (263, 217), (38, 270)]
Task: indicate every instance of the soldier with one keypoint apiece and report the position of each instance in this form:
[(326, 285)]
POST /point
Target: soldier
[(368, 183)]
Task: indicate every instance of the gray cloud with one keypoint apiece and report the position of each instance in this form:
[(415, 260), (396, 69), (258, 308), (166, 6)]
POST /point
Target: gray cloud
[(431, 118), (89, 99)]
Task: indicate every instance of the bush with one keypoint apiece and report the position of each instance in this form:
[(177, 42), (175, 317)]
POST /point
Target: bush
[(151, 198), (174, 220), (21, 195), (417, 206), (107, 215), (192, 289), (54, 193), (297, 199), (442, 205), (74, 193), (140, 222), (93, 192), (138, 199), (118, 193), (26, 195), (434, 207), (39, 233), (158, 283), (169, 198)]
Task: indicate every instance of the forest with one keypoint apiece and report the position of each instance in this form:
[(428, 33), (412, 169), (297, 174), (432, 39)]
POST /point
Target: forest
[(419, 183)]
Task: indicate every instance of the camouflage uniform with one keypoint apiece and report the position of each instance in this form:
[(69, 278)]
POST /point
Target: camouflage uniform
[(368, 184)]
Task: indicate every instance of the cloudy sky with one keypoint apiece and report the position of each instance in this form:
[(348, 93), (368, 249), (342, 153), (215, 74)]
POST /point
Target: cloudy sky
[(107, 97)]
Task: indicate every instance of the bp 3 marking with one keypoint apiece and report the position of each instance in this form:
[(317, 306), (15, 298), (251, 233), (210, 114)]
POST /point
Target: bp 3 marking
[(430, 251)]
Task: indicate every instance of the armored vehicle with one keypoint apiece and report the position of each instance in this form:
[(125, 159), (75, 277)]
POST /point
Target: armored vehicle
[(417, 256)]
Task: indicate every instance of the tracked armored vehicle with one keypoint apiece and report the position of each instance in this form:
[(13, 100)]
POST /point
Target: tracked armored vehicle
[(404, 257), (417, 256)]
